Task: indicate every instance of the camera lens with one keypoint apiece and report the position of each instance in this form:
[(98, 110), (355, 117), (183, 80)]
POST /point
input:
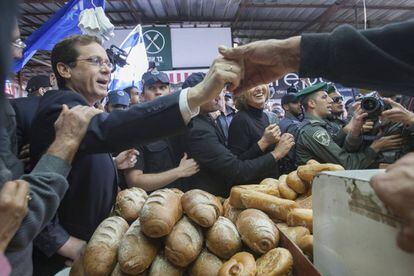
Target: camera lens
[(369, 104)]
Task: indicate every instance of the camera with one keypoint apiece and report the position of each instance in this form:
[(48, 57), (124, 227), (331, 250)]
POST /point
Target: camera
[(117, 56), (374, 105)]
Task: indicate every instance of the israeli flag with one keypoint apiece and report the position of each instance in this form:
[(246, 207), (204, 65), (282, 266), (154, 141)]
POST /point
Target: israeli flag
[(137, 62), (62, 24)]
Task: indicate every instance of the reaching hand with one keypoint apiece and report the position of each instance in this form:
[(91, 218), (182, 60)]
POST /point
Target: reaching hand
[(72, 249), (285, 144), (357, 122), (126, 159), (397, 113), (388, 143), (187, 167), (395, 188), (265, 61), (14, 197), (270, 136)]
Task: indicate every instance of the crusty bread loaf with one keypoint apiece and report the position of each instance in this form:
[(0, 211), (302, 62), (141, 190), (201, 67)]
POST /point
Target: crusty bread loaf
[(305, 202), (129, 203), (312, 162), (307, 172), (160, 213), (241, 264), (184, 243), (162, 267), (177, 191), (102, 250), (276, 262), (295, 183), (257, 231), (136, 251), (237, 191), (201, 207), (274, 206), (285, 191), (118, 272), (306, 244), (222, 238), (206, 264), (77, 268), (295, 233), (300, 217), (270, 182), (221, 199), (230, 212)]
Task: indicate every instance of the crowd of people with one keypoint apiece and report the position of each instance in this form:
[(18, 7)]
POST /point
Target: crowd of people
[(71, 145)]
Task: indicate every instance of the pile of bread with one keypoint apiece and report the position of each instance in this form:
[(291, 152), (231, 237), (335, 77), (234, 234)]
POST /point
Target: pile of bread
[(171, 233)]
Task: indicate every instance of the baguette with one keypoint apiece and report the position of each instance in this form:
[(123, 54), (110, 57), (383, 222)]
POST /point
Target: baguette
[(162, 267), (301, 217), (201, 207), (237, 191), (230, 212), (241, 264), (207, 264), (160, 213), (308, 172), (102, 250), (257, 231), (274, 206), (222, 238), (276, 262), (285, 191), (136, 251), (129, 203), (295, 183), (269, 181), (184, 243)]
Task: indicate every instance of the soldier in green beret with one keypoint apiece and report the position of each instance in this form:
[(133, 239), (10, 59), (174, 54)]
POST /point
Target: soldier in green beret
[(315, 142)]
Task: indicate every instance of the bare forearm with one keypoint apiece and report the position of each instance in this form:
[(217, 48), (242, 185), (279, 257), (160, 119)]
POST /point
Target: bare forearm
[(64, 149), (151, 181)]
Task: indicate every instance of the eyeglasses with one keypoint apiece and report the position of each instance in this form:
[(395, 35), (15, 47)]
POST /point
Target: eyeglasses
[(97, 61), (18, 43), (337, 99)]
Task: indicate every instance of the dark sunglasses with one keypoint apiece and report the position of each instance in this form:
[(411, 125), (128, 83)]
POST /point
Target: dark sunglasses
[(338, 99)]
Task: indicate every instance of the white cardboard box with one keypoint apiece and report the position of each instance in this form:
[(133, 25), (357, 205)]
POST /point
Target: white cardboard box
[(354, 234)]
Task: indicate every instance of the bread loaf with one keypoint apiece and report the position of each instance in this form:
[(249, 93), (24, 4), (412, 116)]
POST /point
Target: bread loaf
[(160, 213), (230, 212), (102, 250), (307, 172), (284, 190), (305, 203), (162, 267), (201, 207), (257, 231), (184, 243), (129, 203), (136, 251), (300, 217), (241, 264), (306, 244), (118, 272), (312, 162), (276, 262), (177, 191), (206, 264), (237, 191), (274, 206), (295, 183), (222, 238), (270, 182), (295, 233)]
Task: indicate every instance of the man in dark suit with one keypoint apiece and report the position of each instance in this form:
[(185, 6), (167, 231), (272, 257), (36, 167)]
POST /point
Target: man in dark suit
[(25, 108), (220, 169), (82, 70)]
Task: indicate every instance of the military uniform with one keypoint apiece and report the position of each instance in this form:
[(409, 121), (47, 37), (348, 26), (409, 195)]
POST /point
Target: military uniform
[(335, 128)]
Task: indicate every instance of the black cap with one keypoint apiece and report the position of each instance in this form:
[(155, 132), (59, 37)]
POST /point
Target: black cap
[(289, 98), (37, 82), (193, 80), (154, 76)]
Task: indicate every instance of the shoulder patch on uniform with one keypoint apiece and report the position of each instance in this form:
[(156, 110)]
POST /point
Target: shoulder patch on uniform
[(322, 137)]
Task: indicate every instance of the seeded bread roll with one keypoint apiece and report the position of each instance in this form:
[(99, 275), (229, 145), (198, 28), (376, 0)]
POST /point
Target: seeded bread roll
[(129, 203), (160, 213), (257, 231), (241, 264), (206, 264), (222, 238), (201, 207), (276, 262), (301, 217), (184, 243), (136, 251), (162, 267), (230, 212), (102, 250), (295, 183)]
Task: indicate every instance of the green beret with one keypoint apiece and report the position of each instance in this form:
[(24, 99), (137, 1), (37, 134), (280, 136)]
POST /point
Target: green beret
[(312, 89)]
